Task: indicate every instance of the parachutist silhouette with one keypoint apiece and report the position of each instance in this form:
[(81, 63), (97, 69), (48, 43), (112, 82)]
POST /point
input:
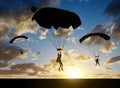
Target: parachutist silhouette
[(102, 35), (17, 37), (97, 60), (59, 59), (48, 17), (21, 51)]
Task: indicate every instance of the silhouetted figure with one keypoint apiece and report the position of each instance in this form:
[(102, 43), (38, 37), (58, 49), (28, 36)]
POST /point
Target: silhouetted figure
[(21, 51), (59, 60), (97, 60), (49, 16), (17, 37)]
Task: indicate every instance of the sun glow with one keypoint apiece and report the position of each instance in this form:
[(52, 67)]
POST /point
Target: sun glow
[(74, 74)]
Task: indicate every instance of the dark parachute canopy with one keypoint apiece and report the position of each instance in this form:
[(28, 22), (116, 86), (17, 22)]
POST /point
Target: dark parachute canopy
[(49, 16), (22, 36), (106, 37)]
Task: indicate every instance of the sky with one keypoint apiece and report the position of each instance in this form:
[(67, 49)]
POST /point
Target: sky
[(39, 52)]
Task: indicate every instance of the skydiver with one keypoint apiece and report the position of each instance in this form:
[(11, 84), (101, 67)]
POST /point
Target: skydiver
[(21, 51), (59, 60), (97, 60)]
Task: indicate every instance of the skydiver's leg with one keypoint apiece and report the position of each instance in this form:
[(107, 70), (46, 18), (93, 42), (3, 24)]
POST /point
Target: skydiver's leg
[(59, 68), (62, 67), (98, 63)]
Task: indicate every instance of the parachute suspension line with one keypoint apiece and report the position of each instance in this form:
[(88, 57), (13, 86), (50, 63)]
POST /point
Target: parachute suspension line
[(58, 43), (89, 50), (21, 45), (18, 43), (92, 53), (54, 40), (97, 53), (63, 43), (51, 41), (62, 46)]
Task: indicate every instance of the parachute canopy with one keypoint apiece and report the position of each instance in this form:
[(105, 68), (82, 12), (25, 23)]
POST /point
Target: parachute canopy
[(106, 37), (12, 40), (59, 49), (49, 16)]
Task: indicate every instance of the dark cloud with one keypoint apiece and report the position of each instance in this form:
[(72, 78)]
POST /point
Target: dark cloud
[(9, 52), (113, 59), (113, 9), (49, 3), (103, 45), (24, 70), (17, 8), (11, 72), (2, 64), (115, 29), (4, 31), (24, 67), (101, 28), (14, 9), (17, 13), (109, 69)]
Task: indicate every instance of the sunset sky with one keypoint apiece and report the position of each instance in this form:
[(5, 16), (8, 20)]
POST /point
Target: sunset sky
[(39, 58)]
